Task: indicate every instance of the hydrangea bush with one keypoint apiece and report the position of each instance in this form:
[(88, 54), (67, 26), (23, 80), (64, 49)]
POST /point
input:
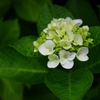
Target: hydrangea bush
[(49, 52)]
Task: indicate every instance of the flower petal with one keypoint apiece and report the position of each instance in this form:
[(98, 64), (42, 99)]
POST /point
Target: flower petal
[(62, 60), (63, 56), (82, 58), (68, 64), (50, 35), (45, 30), (78, 39), (78, 21), (53, 61), (66, 45), (47, 47), (68, 18), (86, 27), (64, 53), (82, 54), (53, 64), (70, 35), (72, 56), (83, 51)]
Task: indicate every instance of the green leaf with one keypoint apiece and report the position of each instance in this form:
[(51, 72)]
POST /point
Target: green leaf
[(17, 67), (48, 13), (10, 90), (69, 85), (29, 9), (9, 32), (82, 9), (95, 34), (4, 7), (25, 46)]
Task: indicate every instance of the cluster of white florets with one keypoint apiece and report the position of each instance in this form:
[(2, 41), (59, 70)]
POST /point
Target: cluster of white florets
[(62, 41)]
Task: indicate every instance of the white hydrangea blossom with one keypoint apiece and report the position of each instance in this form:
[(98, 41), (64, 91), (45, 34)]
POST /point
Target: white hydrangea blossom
[(66, 59), (62, 41)]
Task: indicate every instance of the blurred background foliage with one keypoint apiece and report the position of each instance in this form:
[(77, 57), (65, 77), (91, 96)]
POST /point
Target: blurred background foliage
[(18, 18)]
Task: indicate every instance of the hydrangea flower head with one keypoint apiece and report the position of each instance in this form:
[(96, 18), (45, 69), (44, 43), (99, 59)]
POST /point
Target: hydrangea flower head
[(62, 41)]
